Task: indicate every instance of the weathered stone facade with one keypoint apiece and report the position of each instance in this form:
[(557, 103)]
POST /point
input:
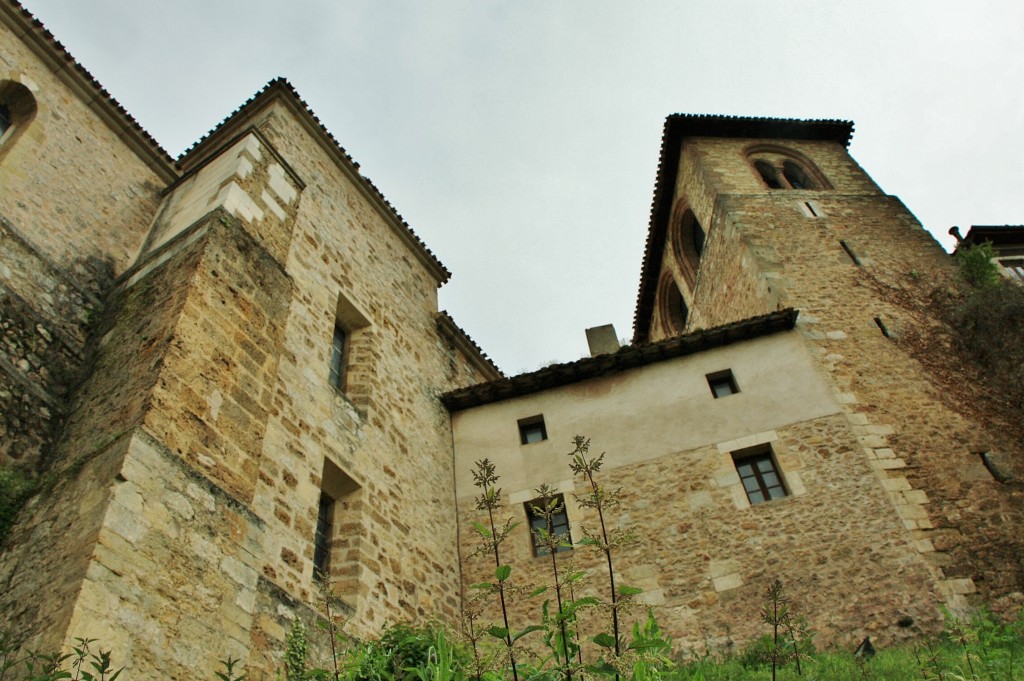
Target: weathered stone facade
[(230, 371)]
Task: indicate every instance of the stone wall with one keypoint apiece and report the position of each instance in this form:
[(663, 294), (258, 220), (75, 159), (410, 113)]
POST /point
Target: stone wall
[(70, 182), (705, 556), (871, 321), (44, 318)]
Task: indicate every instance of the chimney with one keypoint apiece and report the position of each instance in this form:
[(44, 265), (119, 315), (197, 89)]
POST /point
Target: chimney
[(602, 340)]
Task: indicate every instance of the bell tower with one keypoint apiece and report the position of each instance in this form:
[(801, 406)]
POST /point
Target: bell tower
[(751, 215)]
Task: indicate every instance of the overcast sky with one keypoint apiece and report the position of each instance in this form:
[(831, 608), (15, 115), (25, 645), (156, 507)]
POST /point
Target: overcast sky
[(520, 138)]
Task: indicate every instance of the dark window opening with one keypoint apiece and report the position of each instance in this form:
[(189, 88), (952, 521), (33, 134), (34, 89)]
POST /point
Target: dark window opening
[(322, 539), (768, 174), (697, 234), (759, 475), (994, 470), (676, 310), (810, 209), (532, 430), (5, 119), (338, 346), (882, 327), (722, 384), (797, 176), (539, 525), (849, 251)]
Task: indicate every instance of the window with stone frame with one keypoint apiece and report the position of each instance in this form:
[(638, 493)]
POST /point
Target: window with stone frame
[(349, 370), (339, 533), (532, 429), (759, 474), (783, 168), (539, 524)]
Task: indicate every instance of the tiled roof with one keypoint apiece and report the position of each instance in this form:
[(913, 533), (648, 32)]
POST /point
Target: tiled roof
[(680, 126), (280, 87), (629, 357), (66, 67), (468, 346)]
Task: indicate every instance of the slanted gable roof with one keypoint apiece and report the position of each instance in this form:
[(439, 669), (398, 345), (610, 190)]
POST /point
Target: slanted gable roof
[(677, 128), (281, 90)]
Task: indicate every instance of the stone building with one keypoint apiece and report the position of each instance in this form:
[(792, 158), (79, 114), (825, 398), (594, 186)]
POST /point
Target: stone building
[(231, 374)]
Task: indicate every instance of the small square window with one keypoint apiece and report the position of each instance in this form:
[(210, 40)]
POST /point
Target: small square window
[(532, 430), (759, 474), (559, 526), (722, 383)]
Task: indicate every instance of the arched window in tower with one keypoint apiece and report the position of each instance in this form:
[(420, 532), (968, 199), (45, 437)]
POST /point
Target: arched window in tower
[(768, 174), (796, 176), (17, 109), (673, 308), (688, 240), (781, 168)]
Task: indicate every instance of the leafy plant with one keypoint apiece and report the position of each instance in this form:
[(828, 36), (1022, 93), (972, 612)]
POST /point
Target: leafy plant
[(977, 266), (601, 499)]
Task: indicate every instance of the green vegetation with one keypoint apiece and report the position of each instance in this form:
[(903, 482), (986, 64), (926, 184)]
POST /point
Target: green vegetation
[(981, 649), (977, 266)]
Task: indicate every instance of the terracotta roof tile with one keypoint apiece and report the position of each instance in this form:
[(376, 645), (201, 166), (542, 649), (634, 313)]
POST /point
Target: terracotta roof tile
[(628, 357)]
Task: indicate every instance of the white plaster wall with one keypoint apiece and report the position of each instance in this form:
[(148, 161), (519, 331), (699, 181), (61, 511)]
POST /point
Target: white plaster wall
[(645, 413)]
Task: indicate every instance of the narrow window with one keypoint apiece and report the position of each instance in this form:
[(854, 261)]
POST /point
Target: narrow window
[(759, 475), (532, 430), (338, 348), (5, 119), (809, 209), (768, 174), (849, 252), (547, 517), (882, 327), (322, 540), (722, 383)]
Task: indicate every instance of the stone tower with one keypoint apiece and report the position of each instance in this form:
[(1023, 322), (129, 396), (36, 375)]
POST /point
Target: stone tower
[(751, 215)]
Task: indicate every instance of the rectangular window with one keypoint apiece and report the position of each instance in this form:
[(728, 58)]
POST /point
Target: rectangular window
[(322, 540), (338, 352), (532, 430), (722, 383), (558, 527), (759, 475)]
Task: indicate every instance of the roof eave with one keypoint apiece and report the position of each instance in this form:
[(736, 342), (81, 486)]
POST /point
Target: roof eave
[(627, 358), (50, 51), (281, 90)]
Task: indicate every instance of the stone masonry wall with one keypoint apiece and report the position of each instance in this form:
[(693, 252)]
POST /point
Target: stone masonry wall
[(386, 432), (69, 183), (922, 439), (43, 322), (706, 556)]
